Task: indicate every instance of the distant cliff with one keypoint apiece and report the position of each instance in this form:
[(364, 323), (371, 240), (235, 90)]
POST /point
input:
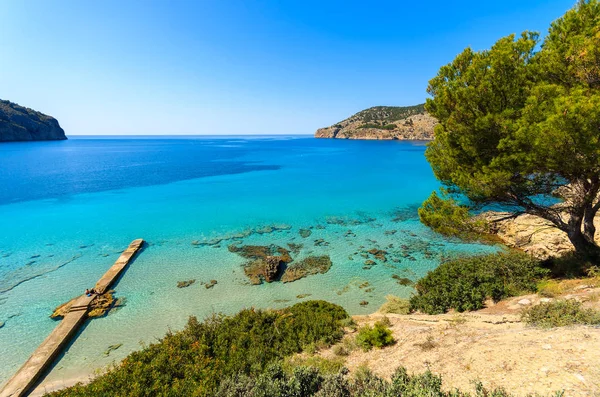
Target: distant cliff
[(18, 123), (384, 122)]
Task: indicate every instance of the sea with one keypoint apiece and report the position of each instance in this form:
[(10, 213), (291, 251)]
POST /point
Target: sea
[(68, 209)]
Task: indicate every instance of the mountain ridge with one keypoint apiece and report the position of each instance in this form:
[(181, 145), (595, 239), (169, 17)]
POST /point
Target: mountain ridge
[(18, 123), (384, 123)]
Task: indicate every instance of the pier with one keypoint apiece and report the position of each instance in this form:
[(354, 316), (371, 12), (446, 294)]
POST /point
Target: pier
[(26, 377)]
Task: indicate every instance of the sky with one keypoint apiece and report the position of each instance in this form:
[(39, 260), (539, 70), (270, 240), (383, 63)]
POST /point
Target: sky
[(126, 67)]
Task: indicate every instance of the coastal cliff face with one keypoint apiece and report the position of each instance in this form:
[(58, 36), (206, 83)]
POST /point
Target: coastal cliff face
[(384, 122), (18, 123), (532, 234)]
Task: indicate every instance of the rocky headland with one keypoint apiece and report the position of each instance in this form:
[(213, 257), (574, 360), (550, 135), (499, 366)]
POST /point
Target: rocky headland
[(384, 122), (18, 123)]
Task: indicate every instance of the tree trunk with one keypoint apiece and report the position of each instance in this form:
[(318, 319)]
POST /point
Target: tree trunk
[(583, 246), (589, 229)]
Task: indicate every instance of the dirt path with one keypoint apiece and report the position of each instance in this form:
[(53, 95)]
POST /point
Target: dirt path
[(492, 346)]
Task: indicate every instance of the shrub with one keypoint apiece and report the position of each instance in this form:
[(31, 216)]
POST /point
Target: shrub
[(326, 366), (549, 288), (377, 336), (306, 382), (560, 313), (194, 360), (464, 284), (340, 350), (395, 305)]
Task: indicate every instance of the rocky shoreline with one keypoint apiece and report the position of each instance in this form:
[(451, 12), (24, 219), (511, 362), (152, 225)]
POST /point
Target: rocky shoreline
[(18, 123), (384, 123)]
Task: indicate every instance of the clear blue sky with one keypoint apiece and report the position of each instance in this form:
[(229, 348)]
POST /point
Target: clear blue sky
[(238, 67)]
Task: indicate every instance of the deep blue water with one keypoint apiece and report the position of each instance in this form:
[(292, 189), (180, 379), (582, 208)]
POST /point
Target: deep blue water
[(68, 208)]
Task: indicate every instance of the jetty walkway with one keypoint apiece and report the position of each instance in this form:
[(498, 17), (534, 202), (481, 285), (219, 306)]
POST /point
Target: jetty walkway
[(26, 377)]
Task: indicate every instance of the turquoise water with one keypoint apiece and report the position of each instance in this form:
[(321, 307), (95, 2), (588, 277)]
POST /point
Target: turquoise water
[(69, 208)]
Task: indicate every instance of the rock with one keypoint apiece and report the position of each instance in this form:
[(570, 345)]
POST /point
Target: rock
[(530, 233), (272, 264), (112, 348), (364, 303), (384, 122), (210, 284), (524, 302), (295, 248), (378, 254), (102, 304), (321, 243), (301, 296), (304, 233), (581, 287), (18, 123), (265, 261), (545, 300), (2, 323), (306, 267), (186, 283), (547, 347), (402, 280)]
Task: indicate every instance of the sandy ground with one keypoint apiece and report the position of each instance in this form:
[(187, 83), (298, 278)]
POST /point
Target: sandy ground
[(492, 346)]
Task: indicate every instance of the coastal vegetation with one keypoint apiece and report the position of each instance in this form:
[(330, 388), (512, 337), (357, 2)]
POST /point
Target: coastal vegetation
[(254, 354), (192, 362), (379, 335), (560, 313), (465, 284), (18, 123), (384, 122), (518, 125)]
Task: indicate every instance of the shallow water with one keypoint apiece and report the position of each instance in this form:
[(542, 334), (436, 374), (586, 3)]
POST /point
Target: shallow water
[(69, 208)]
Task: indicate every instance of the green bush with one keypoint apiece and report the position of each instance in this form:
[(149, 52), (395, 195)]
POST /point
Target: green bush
[(377, 336), (560, 313), (308, 381), (192, 362), (464, 284)]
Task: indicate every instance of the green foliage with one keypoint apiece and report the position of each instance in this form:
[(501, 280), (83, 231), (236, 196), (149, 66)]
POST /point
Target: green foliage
[(464, 284), (395, 305), (193, 361), (377, 336), (326, 366), (308, 381), (515, 124), (560, 313), (445, 216), (387, 114)]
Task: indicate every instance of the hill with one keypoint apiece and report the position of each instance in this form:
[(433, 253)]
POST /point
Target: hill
[(18, 123), (384, 122)]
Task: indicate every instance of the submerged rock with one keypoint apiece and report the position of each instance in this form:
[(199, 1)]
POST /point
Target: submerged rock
[(186, 283), (379, 254), (402, 280), (112, 348), (321, 243), (210, 284), (307, 266), (295, 248), (304, 233)]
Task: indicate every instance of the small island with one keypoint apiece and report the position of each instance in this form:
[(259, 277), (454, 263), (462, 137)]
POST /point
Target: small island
[(18, 123), (384, 122)]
